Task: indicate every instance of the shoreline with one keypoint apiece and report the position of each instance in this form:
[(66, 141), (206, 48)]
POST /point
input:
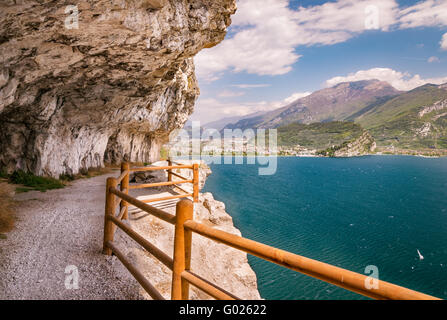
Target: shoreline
[(316, 156)]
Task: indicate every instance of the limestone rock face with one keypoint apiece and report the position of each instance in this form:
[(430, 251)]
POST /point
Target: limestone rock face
[(104, 81), (363, 145)]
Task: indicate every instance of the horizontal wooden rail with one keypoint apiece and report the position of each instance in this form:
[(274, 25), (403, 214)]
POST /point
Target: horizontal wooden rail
[(125, 169), (178, 176), (181, 189), (158, 184), (150, 289), (145, 207), (185, 195), (157, 253), (340, 277), (142, 169), (207, 287)]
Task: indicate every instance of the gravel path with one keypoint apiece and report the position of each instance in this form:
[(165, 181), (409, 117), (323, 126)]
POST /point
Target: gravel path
[(57, 229), (64, 228)]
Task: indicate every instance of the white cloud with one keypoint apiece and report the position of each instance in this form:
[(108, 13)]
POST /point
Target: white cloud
[(296, 96), (267, 32), (263, 44), (208, 110), (429, 13), (433, 59), (399, 80), (444, 42)]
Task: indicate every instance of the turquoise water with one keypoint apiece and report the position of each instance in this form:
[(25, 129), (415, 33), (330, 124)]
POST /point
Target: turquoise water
[(350, 212)]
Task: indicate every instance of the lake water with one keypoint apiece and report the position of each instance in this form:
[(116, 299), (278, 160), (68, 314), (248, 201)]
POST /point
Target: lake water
[(349, 212)]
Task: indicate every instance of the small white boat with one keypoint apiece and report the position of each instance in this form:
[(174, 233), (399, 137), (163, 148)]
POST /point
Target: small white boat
[(421, 257)]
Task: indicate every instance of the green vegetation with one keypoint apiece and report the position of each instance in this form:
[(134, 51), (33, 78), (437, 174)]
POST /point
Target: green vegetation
[(330, 152), (318, 135), (406, 105), (31, 182), (393, 119), (397, 122)]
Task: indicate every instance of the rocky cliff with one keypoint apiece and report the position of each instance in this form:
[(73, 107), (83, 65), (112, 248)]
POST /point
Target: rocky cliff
[(100, 81), (362, 145)]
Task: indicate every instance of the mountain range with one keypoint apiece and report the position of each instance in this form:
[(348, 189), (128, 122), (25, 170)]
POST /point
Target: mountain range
[(415, 119)]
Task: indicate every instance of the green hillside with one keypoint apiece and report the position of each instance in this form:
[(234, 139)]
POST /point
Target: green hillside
[(398, 122), (318, 135)]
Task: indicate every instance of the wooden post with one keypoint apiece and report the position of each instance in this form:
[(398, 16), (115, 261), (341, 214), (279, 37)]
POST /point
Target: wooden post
[(109, 210), (125, 189), (169, 170), (196, 182), (182, 250), (188, 248)]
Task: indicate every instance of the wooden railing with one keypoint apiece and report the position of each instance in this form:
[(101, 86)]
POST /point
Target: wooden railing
[(180, 264), (125, 186)]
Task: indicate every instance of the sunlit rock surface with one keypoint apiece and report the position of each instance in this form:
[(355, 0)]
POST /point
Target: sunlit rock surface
[(111, 89)]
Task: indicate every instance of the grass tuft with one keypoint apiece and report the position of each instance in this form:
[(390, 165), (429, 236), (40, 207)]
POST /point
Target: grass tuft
[(32, 182)]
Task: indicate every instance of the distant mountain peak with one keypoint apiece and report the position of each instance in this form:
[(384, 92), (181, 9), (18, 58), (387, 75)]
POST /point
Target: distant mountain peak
[(373, 84), (339, 102)]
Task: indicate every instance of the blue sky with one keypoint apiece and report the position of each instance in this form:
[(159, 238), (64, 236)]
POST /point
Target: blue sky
[(279, 50)]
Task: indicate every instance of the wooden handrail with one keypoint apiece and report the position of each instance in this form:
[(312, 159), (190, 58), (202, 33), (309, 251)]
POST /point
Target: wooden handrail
[(136, 273), (181, 263), (124, 177), (181, 189), (142, 169), (178, 176), (159, 184), (183, 195), (207, 287), (145, 207), (157, 253), (316, 269)]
